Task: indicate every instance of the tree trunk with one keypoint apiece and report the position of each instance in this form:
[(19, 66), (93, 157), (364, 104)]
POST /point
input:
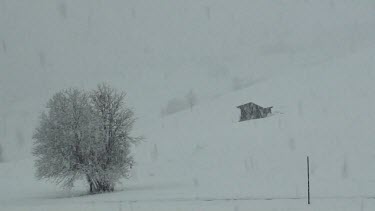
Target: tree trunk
[(99, 186)]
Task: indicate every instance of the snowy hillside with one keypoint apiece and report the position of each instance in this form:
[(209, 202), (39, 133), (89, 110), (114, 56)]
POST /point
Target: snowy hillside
[(267, 157), (158, 51), (205, 154)]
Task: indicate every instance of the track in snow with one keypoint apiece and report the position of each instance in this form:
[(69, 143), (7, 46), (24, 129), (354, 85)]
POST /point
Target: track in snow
[(204, 199)]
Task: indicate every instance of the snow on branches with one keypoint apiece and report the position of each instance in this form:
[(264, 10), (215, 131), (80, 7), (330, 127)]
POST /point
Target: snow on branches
[(85, 135)]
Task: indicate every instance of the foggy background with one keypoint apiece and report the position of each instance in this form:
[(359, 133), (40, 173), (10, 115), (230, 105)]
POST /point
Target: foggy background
[(160, 50)]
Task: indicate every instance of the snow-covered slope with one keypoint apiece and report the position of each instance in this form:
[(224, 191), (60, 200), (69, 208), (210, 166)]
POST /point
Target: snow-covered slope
[(324, 112), (205, 159), (160, 50)]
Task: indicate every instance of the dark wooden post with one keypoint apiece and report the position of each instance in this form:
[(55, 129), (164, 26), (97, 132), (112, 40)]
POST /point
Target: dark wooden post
[(308, 180)]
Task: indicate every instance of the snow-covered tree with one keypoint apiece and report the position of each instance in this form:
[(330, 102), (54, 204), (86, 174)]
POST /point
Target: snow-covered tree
[(191, 99), (115, 123), (155, 153), (1, 154), (63, 138), (85, 136), (174, 105)]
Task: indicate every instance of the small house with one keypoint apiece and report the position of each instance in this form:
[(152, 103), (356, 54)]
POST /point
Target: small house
[(253, 111)]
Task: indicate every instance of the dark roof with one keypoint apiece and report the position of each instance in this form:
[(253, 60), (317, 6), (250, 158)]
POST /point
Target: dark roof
[(247, 104)]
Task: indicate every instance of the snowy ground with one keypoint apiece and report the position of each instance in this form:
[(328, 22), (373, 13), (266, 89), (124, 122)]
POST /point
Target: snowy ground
[(204, 159), (31, 195)]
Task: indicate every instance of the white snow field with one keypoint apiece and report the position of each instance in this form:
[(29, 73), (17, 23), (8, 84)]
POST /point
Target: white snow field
[(204, 159), (312, 60)]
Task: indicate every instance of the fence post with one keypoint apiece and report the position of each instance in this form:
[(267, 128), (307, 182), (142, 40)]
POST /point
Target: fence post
[(308, 180)]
